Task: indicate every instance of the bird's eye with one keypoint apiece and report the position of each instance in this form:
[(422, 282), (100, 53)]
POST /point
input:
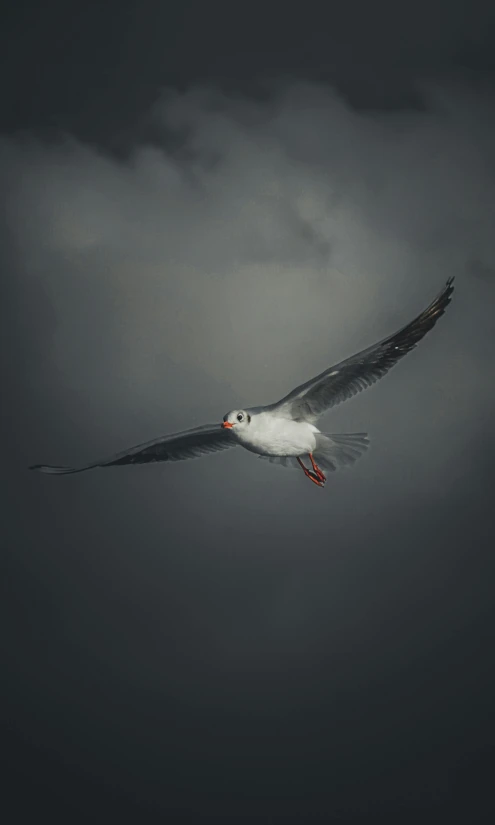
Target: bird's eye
[(240, 416)]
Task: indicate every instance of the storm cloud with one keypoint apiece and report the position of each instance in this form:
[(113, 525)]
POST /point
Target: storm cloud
[(224, 618)]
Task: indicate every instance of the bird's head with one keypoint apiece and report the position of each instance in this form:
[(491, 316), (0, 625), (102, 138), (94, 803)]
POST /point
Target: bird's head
[(237, 420)]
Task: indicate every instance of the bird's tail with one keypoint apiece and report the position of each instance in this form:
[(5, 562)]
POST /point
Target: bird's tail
[(336, 450)]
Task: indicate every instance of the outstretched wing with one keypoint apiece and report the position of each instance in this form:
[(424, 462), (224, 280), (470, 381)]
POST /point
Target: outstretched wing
[(188, 444), (342, 381)]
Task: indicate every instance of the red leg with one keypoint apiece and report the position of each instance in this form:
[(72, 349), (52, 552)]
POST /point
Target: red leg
[(320, 475), (312, 476)]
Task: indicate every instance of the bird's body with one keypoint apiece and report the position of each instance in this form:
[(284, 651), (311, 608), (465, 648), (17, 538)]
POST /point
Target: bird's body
[(269, 434), (285, 432)]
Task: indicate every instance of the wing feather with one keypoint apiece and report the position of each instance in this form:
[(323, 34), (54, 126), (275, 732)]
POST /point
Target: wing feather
[(342, 381), (194, 443)]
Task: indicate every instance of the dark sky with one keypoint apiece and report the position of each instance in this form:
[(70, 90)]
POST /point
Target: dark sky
[(204, 205)]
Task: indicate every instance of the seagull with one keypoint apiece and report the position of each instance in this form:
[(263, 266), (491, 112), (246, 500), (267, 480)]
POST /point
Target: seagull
[(285, 432)]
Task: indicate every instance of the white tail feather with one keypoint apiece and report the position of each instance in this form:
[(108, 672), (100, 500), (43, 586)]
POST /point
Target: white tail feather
[(336, 450)]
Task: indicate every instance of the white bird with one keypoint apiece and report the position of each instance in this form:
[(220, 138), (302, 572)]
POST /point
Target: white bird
[(284, 432)]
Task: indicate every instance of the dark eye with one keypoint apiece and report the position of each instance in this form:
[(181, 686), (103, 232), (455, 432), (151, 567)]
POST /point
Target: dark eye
[(240, 416)]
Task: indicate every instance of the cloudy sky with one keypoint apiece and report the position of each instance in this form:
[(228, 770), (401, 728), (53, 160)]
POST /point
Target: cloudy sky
[(200, 210)]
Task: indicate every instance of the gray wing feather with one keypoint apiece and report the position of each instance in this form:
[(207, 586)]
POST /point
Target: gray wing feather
[(342, 381), (177, 447)]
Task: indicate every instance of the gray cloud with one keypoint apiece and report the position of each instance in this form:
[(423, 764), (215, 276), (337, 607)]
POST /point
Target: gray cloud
[(155, 294)]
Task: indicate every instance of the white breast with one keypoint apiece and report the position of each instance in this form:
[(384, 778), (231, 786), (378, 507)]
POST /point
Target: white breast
[(267, 435)]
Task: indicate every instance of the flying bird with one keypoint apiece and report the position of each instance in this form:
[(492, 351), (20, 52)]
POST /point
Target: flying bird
[(285, 432)]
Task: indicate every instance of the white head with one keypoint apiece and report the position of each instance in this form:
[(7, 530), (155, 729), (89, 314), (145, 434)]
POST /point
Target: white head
[(238, 420)]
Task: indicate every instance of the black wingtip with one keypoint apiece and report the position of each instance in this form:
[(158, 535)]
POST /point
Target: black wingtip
[(49, 469), (439, 304), (442, 300), (448, 291), (449, 288)]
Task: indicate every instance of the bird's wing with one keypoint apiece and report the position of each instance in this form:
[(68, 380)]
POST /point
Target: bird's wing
[(342, 381), (188, 444)]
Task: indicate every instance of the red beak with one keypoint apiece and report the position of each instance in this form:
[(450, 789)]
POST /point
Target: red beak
[(227, 425)]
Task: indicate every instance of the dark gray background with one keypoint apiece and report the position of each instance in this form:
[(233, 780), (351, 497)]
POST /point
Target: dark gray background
[(203, 206)]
